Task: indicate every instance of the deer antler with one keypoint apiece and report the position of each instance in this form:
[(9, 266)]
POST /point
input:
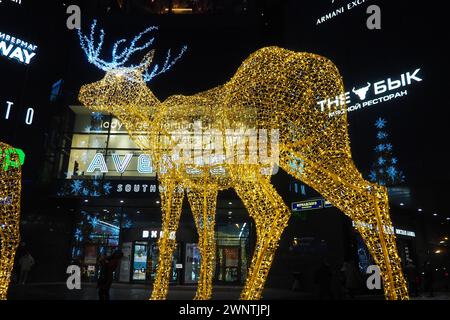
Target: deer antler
[(88, 44), (148, 76)]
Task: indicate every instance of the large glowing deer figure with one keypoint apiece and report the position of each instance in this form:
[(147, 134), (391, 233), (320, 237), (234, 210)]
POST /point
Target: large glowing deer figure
[(10, 189), (274, 89)]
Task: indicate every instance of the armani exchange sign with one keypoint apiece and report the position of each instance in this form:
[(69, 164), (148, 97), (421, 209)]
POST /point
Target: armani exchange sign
[(15, 48)]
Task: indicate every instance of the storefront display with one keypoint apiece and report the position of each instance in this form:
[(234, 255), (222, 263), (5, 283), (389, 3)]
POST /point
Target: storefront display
[(192, 263)]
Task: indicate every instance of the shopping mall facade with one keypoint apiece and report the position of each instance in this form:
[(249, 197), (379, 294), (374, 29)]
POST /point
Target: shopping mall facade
[(119, 208)]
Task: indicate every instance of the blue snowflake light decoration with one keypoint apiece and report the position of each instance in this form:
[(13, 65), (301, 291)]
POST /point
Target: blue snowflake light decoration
[(373, 176), (380, 123), (392, 172), (97, 116), (78, 235), (388, 147), (76, 186), (95, 193), (381, 161), (380, 148), (107, 188), (381, 135)]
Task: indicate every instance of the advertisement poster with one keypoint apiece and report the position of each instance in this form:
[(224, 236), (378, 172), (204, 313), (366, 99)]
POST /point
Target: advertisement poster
[(90, 254), (140, 261), (125, 263)]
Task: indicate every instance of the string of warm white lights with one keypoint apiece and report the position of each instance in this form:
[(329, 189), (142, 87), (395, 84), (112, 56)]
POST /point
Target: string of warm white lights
[(203, 208), (274, 89), (10, 190)]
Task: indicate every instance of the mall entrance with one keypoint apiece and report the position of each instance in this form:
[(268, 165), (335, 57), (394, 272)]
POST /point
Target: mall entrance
[(134, 227)]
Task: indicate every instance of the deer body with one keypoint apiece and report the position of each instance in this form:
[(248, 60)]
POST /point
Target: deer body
[(273, 89)]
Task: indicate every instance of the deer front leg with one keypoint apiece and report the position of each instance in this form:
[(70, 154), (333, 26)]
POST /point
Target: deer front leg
[(171, 203), (271, 216), (203, 205)]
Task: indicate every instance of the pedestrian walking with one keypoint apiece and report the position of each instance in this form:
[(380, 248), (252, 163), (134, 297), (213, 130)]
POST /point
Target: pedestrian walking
[(428, 278), (323, 279), (352, 280), (107, 267), (25, 263)]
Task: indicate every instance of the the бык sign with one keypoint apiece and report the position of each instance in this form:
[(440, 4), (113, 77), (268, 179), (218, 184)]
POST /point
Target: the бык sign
[(14, 48)]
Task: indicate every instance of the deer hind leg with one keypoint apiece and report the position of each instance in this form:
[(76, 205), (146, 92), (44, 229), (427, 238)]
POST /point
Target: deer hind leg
[(10, 189), (203, 206), (271, 216), (367, 205), (171, 204)]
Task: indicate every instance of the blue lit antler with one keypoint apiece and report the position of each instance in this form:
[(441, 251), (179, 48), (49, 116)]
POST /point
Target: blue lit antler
[(92, 50), (88, 44), (156, 71)]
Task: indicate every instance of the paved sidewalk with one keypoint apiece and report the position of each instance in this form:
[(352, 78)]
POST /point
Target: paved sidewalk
[(122, 291), (125, 291)]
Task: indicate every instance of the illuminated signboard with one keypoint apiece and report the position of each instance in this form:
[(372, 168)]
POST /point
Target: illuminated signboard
[(405, 233), (155, 234), (310, 205), (389, 230), (307, 205), (17, 49), (370, 94), (327, 204), (82, 187), (8, 163), (349, 5), (15, 1), (10, 108)]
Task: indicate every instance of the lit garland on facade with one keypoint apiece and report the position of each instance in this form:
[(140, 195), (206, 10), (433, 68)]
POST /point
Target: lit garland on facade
[(273, 89), (10, 190)]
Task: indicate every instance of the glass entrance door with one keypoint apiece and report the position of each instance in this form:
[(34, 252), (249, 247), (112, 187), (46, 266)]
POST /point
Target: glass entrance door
[(228, 261)]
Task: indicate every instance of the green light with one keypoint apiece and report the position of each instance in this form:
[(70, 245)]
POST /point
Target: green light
[(8, 163)]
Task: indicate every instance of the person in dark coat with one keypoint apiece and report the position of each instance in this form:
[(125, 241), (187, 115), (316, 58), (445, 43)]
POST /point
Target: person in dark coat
[(107, 267), (411, 276), (428, 278), (324, 279)]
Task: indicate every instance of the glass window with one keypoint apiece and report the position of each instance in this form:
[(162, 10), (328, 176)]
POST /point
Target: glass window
[(122, 141), (96, 141), (192, 263), (95, 133)]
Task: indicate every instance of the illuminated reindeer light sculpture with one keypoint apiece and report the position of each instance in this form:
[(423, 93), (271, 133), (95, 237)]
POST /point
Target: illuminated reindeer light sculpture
[(10, 189), (274, 89)]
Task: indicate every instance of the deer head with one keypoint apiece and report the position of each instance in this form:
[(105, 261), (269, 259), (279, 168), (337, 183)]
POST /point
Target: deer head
[(123, 87)]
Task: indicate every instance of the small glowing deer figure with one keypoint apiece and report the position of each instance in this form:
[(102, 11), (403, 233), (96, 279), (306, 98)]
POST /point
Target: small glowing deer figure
[(273, 89), (10, 190)]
